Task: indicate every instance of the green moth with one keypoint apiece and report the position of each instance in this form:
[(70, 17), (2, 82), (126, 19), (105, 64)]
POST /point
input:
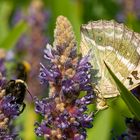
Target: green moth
[(119, 47)]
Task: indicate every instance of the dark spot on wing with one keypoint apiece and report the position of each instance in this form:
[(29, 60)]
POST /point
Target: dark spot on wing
[(130, 81), (135, 75)]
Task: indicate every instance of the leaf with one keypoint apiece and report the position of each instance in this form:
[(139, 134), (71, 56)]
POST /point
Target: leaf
[(102, 126), (110, 120), (5, 11), (28, 123), (132, 102), (14, 35)]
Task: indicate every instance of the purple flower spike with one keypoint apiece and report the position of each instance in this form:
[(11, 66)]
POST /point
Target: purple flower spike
[(9, 109), (67, 74), (9, 106), (132, 131)]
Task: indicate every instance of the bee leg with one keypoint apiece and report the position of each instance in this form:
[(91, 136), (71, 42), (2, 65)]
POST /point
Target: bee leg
[(23, 107)]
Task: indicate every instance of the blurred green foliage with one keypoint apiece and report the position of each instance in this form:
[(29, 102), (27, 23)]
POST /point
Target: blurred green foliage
[(11, 39), (99, 9)]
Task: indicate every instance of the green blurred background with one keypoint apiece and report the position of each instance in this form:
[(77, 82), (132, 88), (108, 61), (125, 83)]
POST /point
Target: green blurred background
[(107, 123)]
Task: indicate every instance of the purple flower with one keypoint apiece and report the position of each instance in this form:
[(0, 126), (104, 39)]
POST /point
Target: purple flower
[(128, 7), (132, 131), (61, 119), (67, 74), (51, 74), (9, 109)]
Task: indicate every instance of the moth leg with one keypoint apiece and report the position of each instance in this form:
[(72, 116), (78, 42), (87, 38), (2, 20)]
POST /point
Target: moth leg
[(100, 101), (101, 104)]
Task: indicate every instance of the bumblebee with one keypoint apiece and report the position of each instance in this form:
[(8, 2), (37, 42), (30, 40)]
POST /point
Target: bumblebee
[(22, 70), (17, 88)]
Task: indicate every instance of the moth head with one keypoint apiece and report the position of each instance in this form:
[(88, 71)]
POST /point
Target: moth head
[(94, 31)]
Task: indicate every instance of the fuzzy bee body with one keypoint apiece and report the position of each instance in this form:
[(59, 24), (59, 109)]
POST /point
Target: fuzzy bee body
[(22, 70), (17, 88)]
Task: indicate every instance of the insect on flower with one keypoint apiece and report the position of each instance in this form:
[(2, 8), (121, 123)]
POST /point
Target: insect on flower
[(22, 70), (67, 74), (18, 87), (118, 46)]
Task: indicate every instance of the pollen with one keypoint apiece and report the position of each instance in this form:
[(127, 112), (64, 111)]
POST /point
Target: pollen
[(57, 100), (60, 107), (63, 33), (63, 59), (2, 93), (52, 89), (70, 72), (4, 123), (72, 119), (59, 136), (54, 132)]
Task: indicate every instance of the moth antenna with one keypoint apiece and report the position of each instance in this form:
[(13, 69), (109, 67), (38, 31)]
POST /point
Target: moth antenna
[(30, 94), (96, 112)]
